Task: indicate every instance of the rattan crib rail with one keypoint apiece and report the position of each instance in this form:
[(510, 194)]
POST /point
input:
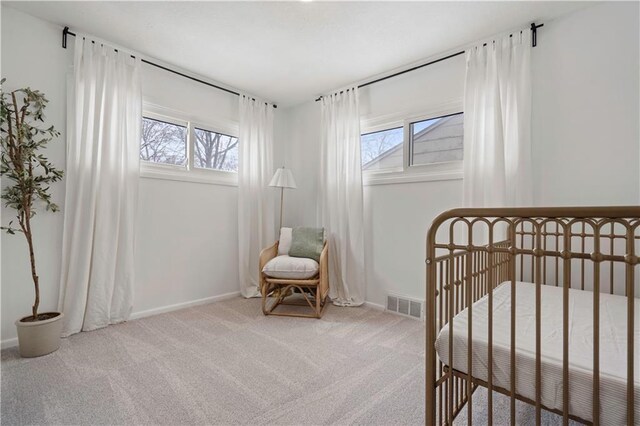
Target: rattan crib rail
[(472, 251)]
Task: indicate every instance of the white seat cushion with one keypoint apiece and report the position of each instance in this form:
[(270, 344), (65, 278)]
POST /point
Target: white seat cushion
[(293, 268)]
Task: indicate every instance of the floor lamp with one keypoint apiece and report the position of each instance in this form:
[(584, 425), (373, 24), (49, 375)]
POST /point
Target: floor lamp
[(282, 178)]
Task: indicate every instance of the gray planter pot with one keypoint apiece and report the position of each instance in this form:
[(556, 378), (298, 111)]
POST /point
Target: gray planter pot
[(39, 338)]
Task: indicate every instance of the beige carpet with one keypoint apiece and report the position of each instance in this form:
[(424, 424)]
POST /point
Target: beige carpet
[(225, 363)]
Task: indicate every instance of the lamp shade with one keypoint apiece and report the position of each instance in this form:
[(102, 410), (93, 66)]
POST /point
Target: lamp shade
[(283, 178)]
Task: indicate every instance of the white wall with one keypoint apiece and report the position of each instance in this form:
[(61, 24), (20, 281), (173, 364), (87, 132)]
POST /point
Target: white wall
[(186, 240), (397, 216), (186, 237), (586, 107), (586, 147), (298, 148), (32, 56)]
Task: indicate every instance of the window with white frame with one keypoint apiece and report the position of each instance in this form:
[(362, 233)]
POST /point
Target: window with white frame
[(436, 140), (173, 146), (415, 144), (163, 142), (215, 151), (382, 149)]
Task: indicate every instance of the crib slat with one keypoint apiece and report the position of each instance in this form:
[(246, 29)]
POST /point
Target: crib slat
[(533, 241), (565, 327), (630, 267), (450, 325), (596, 328), (611, 252), (582, 235), (469, 265), (557, 259), (433, 293), (490, 333), (457, 289), (538, 341), (440, 325), (544, 248), (512, 276), (522, 256)]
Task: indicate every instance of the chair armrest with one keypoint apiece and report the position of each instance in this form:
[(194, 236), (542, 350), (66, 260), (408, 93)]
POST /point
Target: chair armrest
[(265, 256), (324, 270)]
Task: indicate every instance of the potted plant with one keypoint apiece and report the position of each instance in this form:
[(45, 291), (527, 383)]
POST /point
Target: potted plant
[(28, 175)]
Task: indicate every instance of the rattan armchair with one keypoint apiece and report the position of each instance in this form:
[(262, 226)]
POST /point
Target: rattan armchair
[(311, 292)]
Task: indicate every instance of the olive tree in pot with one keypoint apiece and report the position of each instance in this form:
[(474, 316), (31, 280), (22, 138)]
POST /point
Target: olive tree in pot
[(29, 175)]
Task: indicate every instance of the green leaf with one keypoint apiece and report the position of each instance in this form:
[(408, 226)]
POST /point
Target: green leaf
[(25, 170)]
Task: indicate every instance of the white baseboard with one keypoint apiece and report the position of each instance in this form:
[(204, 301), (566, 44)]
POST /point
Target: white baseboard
[(374, 306), (169, 308), (9, 343)]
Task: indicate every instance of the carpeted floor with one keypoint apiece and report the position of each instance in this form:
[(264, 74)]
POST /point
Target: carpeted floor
[(225, 363)]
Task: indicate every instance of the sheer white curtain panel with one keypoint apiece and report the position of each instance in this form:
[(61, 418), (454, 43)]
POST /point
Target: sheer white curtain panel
[(102, 170), (341, 201)]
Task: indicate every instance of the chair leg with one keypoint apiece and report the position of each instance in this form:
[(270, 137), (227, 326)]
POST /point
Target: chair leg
[(265, 292), (318, 303), (267, 289)]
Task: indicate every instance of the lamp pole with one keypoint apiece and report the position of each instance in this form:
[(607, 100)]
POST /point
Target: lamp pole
[(281, 204), (282, 178)]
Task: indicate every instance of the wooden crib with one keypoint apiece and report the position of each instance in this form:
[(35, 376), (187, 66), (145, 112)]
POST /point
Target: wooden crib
[(538, 304)]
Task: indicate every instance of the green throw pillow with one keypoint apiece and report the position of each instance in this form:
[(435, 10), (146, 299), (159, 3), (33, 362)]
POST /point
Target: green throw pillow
[(307, 242)]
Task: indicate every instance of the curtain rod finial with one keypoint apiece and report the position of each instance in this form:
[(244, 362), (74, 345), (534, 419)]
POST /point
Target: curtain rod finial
[(65, 31), (534, 33)]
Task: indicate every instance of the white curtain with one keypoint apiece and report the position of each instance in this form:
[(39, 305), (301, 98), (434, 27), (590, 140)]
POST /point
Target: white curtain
[(341, 211), (103, 165), (497, 123), (256, 225)]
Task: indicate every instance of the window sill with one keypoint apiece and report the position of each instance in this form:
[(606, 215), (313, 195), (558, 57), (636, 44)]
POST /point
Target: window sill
[(211, 177), (389, 178)]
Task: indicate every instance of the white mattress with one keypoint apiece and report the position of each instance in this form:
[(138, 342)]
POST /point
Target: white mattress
[(613, 348)]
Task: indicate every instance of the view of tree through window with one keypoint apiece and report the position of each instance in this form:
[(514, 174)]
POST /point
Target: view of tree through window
[(381, 150), (215, 151), (163, 142)]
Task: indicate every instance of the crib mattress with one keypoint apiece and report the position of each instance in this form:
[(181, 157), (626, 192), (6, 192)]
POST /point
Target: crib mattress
[(613, 348)]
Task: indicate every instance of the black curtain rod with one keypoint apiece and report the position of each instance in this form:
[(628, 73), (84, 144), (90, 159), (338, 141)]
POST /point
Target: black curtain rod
[(66, 32), (534, 43)]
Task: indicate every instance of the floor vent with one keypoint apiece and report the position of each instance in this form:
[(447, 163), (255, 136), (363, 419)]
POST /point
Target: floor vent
[(404, 306)]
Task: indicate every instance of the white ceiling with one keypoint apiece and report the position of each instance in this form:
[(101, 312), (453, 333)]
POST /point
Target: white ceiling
[(289, 52)]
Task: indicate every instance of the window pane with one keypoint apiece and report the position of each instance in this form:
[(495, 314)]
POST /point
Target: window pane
[(437, 140), (382, 150), (215, 151), (163, 142)]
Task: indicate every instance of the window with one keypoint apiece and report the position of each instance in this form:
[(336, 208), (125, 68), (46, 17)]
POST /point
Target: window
[(436, 140), (163, 142), (396, 148), (174, 146), (215, 151), (382, 150)]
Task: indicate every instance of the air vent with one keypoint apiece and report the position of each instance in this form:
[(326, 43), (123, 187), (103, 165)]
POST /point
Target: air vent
[(392, 303), (404, 306), (415, 309)]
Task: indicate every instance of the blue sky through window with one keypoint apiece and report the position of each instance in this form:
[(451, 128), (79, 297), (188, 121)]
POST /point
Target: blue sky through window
[(421, 125)]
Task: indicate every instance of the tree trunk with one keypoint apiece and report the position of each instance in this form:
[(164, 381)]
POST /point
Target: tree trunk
[(34, 275)]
